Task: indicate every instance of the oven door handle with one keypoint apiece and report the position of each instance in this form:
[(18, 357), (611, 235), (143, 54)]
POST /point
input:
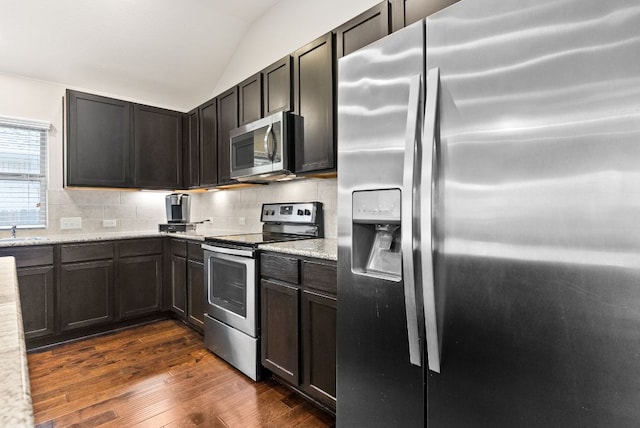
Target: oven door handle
[(229, 251)]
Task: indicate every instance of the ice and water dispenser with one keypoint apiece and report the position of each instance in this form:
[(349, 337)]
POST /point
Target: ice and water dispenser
[(376, 234)]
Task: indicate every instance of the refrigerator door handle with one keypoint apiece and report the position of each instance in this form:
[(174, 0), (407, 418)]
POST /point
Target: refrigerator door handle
[(426, 223), (408, 187)]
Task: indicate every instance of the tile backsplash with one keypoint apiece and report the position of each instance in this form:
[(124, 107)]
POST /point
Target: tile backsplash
[(227, 210), (231, 210)]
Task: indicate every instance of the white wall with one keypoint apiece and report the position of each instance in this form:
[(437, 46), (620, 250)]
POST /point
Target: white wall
[(287, 26)]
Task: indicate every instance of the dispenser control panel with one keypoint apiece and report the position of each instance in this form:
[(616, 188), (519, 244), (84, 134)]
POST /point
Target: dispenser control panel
[(377, 206)]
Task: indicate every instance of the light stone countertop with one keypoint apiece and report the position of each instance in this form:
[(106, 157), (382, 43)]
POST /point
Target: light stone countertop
[(88, 237), (324, 248), (15, 393)]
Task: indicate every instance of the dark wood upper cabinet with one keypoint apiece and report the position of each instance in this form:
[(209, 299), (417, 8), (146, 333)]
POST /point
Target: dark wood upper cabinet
[(158, 148), (313, 79), (191, 152), (406, 12), (227, 120), (365, 28), (276, 86), (99, 141), (208, 158), (250, 99)]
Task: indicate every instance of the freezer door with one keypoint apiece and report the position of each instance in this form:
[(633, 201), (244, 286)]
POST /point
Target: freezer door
[(537, 233), (379, 378)]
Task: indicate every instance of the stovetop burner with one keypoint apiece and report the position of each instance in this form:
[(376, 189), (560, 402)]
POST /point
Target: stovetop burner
[(255, 239)]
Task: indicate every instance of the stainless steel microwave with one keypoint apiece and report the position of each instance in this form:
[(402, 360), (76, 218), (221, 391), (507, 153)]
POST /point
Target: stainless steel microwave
[(264, 150)]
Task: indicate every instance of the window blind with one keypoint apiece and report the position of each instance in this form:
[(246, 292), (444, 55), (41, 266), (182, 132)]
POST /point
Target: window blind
[(23, 173)]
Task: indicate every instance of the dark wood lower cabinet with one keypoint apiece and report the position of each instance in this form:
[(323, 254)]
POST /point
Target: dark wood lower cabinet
[(195, 294), (179, 285), (298, 304), (36, 285), (318, 319), (85, 294), (140, 285), (187, 282), (280, 309)]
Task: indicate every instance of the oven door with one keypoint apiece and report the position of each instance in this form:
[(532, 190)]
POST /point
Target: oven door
[(231, 287)]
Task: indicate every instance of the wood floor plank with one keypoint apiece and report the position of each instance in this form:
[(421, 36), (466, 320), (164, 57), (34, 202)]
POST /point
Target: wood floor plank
[(156, 375)]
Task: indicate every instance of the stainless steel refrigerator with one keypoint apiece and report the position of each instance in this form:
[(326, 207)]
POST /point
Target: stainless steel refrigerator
[(489, 219)]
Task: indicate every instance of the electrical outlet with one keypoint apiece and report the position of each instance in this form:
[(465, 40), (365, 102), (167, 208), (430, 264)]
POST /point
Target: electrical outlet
[(71, 223), (242, 221), (109, 223)]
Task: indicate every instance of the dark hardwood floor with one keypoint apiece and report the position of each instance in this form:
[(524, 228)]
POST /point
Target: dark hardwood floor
[(156, 375)]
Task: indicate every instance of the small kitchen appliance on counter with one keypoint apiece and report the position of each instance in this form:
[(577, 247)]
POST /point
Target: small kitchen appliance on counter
[(232, 271), (178, 207)]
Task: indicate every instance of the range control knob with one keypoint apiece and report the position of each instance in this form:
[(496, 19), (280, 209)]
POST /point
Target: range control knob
[(300, 212), (307, 212)]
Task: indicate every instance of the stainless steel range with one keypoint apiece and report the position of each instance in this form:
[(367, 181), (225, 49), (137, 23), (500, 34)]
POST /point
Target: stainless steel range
[(232, 266)]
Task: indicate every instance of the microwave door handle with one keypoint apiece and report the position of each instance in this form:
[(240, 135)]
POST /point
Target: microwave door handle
[(426, 219), (266, 142), (408, 187), (275, 145)]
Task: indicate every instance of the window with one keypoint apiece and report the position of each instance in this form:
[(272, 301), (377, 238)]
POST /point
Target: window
[(23, 173)]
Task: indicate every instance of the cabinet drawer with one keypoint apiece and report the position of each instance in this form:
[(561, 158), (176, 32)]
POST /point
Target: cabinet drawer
[(83, 252), (178, 248), (321, 276), (278, 267), (29, 256), (195, 251), (140, 247)]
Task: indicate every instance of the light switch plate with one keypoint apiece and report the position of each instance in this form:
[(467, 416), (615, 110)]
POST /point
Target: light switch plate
[(71, 223), (109, 223)]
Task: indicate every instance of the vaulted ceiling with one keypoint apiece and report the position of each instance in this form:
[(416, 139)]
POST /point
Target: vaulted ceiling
[(137, 48)]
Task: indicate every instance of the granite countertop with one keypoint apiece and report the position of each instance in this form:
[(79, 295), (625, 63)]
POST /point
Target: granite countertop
[(15, 395), (88, 237), (325, 248)]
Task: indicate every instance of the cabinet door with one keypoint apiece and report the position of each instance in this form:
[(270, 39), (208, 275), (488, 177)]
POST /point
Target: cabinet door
[(196, 294), (179, 285), (363, 29), (319, 347), (140, 285), (99, 141), (227, 120), (250, 99), (314, 101), (276, 86), (85, 294), (208, 144), (157, 148), (280, 308), (36, 300), (406, 12), (191, 149)]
